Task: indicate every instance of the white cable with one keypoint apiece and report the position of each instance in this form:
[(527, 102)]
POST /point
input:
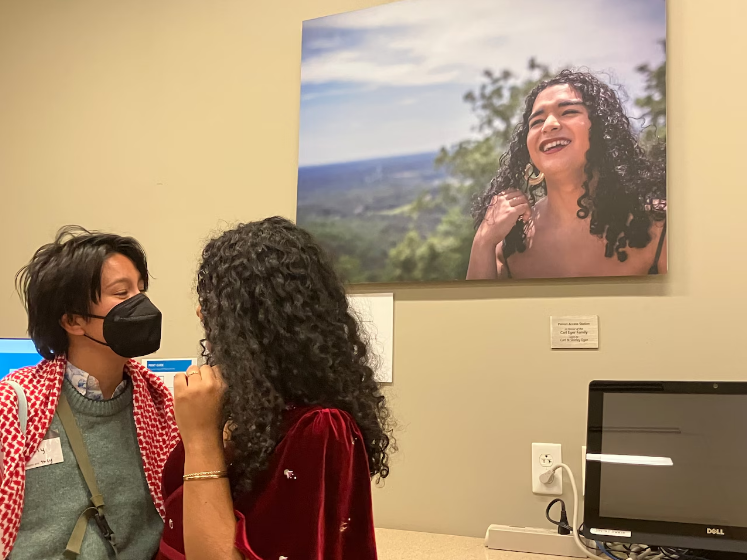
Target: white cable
[(547, 478)]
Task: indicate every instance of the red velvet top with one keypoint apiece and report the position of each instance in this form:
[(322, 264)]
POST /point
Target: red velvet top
[(312, 503)]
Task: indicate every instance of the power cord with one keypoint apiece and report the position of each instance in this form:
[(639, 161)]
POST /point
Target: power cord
[(547, 478), (562, 524), (607, 552)]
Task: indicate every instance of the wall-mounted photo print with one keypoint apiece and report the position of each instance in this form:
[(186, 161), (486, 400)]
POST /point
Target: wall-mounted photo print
[(450, 140)]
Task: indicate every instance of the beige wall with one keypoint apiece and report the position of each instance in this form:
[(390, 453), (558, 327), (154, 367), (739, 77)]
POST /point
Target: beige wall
[(168, 119)]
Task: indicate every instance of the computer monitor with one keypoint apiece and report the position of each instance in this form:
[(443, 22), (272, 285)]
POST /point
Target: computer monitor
[(16, 353), (666, 464)]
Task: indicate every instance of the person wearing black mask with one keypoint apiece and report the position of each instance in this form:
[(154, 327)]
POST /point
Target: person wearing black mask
[(85, 434)]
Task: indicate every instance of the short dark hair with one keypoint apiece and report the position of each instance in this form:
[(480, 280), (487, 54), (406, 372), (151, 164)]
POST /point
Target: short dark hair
[(64, 278)]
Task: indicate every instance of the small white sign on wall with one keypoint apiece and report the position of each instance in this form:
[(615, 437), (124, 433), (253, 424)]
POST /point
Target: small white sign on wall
[(376, 314), (574, 332)]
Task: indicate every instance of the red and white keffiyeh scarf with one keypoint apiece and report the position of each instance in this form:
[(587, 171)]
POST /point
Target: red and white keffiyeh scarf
[(153, 408)]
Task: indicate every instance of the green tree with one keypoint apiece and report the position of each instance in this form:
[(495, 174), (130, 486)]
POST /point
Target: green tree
[(436, 257), (654, 103)]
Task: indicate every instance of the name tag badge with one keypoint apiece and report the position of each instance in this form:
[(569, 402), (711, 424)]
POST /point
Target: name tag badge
[(49, 452)]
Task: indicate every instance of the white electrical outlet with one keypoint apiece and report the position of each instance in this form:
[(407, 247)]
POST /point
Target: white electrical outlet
[(544, 457), (583, 470)]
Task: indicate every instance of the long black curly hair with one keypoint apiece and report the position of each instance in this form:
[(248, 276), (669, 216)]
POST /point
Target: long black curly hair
[(630, 193), (277, 322)]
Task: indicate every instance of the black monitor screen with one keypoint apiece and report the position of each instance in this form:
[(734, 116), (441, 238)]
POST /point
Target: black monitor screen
[(679, 458)]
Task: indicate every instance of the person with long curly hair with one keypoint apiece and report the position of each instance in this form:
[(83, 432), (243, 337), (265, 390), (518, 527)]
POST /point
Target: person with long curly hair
[(285, 426), (575, 195)]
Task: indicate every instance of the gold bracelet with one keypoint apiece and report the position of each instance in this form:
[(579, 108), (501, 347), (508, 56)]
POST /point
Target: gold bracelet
[(206, 475)]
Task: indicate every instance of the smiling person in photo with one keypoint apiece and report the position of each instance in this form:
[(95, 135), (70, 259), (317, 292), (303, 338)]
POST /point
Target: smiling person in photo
[(575, 195)]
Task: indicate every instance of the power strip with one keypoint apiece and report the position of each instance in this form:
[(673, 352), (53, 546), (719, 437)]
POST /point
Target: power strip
[(532, 540)]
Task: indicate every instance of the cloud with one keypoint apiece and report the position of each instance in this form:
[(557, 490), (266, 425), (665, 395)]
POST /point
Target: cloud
[(426, 42), (350, 66), (390, 80)]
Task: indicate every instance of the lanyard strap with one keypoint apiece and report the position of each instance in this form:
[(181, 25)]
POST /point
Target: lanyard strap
[(96, 509)]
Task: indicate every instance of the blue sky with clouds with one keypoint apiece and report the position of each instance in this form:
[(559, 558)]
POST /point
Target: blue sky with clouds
[(389, 80)]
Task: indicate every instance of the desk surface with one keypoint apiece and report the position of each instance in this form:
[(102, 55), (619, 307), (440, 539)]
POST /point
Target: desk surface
[(408, 545)]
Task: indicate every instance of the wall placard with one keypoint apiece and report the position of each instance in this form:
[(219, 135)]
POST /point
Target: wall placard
[(574, 332)]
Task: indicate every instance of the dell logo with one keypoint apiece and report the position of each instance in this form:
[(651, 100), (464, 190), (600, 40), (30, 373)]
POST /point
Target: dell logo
[(719, 532)]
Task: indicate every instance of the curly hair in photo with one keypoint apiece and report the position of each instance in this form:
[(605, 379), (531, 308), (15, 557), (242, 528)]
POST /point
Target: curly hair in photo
[(629, 192), (278, 324)]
